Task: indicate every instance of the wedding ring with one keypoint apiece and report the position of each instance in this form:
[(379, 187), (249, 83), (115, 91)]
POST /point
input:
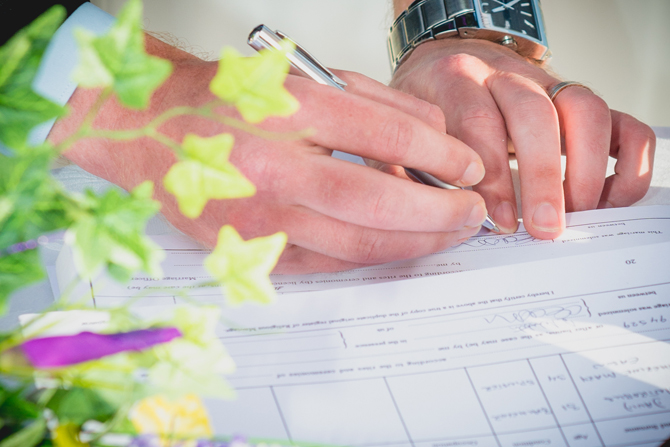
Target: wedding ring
[(558, 88)]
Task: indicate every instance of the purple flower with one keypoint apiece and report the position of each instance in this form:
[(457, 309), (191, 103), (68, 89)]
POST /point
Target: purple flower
[(211, 443), (145, 441), (53, 352)]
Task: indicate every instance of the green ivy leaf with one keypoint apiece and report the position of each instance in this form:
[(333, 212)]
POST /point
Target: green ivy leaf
[(110, 234), (32, 203), (17, 271), (15, 407), (195, 362), (118, 60), (78, 405), (243, 267), (255, 85), (29, 436), (205, 174), (21, 108), (111, 377)]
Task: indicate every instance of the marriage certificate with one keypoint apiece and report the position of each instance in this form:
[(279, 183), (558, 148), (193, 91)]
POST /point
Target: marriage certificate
[(565, 345)]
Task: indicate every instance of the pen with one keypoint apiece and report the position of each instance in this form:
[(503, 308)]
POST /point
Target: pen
[(263, 37)]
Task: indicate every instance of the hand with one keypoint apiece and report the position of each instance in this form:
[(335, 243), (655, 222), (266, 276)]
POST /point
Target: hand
[(338, 215), (493, 99)]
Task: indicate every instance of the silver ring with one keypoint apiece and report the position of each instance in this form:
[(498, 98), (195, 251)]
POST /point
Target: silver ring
[(558, 88)]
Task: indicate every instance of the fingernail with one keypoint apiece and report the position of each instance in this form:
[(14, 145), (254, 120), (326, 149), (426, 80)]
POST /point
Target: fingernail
[(477, 215), (546, 218), (473, 174), (505, 217)]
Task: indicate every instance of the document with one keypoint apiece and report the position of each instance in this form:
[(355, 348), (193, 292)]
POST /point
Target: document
[(586, 232), (563, 347), (567, 352)]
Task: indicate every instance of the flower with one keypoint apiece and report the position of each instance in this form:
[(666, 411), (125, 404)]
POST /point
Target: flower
[(54, 352), (145, 441), (185, 417)]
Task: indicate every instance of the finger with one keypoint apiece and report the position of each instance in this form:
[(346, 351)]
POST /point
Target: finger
[(586, 128), (361, 85), (532, 124), (359, 126), (345, 245), (366, 197), (476, 120), (633, 145)]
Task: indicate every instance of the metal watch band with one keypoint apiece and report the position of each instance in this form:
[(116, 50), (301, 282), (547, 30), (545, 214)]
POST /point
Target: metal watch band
[(436, 19)]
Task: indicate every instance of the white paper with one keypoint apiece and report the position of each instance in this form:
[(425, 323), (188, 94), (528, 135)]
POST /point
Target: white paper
[(565, 352), (183, 271), (567, 346)]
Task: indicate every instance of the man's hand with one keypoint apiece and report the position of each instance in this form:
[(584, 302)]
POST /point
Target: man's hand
[(338, 215), (493, 99)]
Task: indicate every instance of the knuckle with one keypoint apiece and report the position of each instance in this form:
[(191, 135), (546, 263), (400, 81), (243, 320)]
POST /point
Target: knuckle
[(532, 105), (396, 138), (368, 247), (593, 108), (583, 183), (642, 133), (635, 137), (545, 173), (351, 77), (458, 65), (541, 114), (476, 115), (597, 110), (382, 209)]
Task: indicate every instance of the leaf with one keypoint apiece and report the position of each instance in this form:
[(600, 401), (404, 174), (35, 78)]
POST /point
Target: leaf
[(196, 362), (21, 108), (29, 436), (112, 377), (206, 174), (118, 60), (16, 271), (32, 203), (14, 406), (78, 405), (244, 266), (255, 85), (110, 234)]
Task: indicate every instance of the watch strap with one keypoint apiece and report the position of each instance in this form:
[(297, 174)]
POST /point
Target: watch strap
[(427, 20)]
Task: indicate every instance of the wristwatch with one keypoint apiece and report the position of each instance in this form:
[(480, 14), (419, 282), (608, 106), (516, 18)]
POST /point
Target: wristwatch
[(516, 24)]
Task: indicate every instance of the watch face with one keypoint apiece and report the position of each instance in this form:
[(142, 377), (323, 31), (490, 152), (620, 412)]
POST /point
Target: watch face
[(514, 15)]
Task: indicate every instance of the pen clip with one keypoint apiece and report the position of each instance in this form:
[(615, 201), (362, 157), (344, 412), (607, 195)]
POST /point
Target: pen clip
[(306, 54)]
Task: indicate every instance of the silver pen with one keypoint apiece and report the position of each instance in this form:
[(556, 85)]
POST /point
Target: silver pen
[(263, 37)]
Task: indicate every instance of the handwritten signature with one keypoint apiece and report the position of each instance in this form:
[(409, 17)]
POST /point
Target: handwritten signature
[(492, 241)]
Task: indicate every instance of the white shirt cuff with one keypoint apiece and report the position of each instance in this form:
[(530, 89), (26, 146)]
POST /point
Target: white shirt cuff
[(54, 76)]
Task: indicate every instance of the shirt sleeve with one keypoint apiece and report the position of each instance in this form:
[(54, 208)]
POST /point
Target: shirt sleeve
[(54, 76)]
